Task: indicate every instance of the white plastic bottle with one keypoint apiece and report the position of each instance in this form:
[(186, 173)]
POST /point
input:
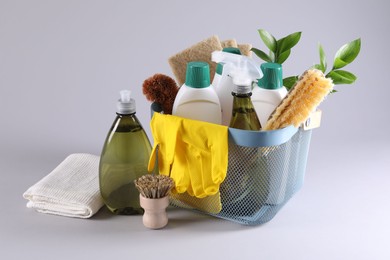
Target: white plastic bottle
[(223, 85), (269, 92), (197, 99)]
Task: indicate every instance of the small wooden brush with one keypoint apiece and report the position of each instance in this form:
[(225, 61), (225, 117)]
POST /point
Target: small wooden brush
[(154, 186)]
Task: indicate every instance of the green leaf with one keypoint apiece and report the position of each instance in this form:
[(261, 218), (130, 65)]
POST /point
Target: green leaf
[(268, 40), (289, 82), (283, 57), (271, 55), (319, 67), (288, 42), (322, 58), (341, 77), (346, 54), (262, 55)]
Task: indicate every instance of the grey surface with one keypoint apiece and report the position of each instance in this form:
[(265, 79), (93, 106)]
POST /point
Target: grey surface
[(62, 64)]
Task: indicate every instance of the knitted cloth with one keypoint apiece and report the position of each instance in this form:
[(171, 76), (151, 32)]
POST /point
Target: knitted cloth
[(71, 189)]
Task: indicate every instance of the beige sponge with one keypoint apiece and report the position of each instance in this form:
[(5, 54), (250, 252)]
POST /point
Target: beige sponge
[(229, 43), (245, 49), (200, 51)]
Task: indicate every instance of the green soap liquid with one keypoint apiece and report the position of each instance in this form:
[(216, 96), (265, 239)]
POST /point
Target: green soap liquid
[(244, 114), (124, 158)]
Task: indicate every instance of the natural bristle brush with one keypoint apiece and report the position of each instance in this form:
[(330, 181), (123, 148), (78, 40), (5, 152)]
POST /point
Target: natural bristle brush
[(310, 90), (154, 191), (161, 89), (154, 186)]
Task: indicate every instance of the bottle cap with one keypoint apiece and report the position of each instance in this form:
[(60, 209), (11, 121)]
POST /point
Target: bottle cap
[(219, 68), (273, 76), (242, 85), (125, 105), (232, 50), (198, 74)]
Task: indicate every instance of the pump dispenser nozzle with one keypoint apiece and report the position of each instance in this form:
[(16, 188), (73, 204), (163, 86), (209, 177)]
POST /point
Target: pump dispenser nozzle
[(125, 105), (243, 70), (125, 95)]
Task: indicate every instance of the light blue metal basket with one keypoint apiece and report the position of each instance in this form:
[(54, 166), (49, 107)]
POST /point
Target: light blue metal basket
[(265, 170)]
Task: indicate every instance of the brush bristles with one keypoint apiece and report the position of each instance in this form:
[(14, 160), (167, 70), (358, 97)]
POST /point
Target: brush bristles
[(154, 186), (161, 89), (303, 98)]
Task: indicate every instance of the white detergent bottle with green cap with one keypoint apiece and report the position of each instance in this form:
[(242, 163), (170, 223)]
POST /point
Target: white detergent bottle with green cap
[(223, 85), (197, 99), (269, 92)]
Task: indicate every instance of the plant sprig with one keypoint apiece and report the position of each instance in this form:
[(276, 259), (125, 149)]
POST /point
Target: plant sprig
[(344, 56), (279, 50)]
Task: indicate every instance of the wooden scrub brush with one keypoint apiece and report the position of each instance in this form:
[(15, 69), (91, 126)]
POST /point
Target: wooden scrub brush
[(154, 199), (310, 90)]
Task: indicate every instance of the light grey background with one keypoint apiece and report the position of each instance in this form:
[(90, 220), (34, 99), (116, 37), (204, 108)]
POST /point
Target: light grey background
[(62, 64)]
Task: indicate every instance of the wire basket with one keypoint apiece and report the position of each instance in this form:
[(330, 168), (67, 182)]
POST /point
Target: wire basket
[(265, 170)]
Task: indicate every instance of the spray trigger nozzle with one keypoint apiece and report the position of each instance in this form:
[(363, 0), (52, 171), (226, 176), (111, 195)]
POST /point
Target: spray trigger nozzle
[(242, 69)]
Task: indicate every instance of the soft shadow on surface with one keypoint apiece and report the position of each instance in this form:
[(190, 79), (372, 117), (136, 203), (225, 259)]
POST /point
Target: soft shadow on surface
[(182, 218), (103, 214), (179, 218)]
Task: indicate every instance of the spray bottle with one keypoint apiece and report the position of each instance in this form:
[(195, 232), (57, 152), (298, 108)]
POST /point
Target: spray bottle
[(223, 85), (243, 71)]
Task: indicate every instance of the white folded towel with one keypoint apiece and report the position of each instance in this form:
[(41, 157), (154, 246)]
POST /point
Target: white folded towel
[(71, 189)]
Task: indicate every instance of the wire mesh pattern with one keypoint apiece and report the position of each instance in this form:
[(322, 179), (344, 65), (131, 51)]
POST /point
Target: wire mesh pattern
[(260, 180)]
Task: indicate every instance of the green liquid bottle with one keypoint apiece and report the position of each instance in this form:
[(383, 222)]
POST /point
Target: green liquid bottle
[(124, 158), (244, 114)]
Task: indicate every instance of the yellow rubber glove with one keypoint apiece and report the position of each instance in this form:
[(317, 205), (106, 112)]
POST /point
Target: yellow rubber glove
[(165, 130), (193, 153), (162, 145), (208, 149), (180, 169)]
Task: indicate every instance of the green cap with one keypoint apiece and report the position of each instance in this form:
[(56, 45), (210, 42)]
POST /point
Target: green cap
[(198, 74), (273, 76), (233, 50), (219, 68)]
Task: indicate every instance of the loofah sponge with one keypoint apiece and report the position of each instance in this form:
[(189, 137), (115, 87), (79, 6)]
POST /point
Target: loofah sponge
[(311, 88), (198, 52)]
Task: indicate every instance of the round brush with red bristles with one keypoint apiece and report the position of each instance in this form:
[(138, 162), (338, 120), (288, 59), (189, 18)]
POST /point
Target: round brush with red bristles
[(161, 89)]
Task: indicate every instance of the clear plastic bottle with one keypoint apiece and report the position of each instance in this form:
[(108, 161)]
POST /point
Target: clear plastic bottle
[(124, 158), (243, 71)]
